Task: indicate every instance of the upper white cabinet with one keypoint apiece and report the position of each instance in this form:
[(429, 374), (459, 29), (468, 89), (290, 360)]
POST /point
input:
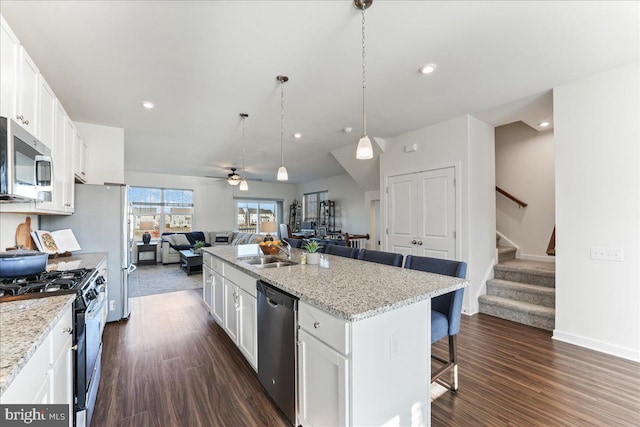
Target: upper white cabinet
[(9, 47), (28, 96), (69, 152), (46, 114), (80, 168)]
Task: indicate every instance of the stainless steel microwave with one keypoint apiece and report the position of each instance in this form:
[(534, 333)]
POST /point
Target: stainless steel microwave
[(26, 170)]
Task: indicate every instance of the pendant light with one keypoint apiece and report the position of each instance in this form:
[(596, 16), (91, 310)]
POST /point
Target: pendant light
[(282, 171), (364, 150), (243, 184)]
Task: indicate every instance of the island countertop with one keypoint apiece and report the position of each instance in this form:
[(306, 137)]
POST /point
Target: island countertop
[(24, 324), (350, 289)]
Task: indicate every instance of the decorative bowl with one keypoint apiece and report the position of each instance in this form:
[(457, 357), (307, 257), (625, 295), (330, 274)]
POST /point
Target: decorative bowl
[(269, 249)]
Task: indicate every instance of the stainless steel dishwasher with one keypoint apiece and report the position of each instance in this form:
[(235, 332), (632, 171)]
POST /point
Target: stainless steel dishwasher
[(277, 335)]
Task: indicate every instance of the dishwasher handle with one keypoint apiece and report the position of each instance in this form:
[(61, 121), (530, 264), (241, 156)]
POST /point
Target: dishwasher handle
[(276, 297)]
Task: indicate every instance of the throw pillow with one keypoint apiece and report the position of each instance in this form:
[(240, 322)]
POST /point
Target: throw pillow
[(180, 240), (169, 239)]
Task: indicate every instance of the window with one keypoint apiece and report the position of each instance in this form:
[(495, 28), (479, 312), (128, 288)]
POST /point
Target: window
[(250, 214), (311, 205), (160, 210)]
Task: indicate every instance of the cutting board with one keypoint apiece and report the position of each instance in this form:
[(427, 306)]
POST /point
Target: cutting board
[(23, 235)]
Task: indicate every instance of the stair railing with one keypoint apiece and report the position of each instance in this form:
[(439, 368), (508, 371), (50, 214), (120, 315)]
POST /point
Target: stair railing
[(551, 247), (511, 197)]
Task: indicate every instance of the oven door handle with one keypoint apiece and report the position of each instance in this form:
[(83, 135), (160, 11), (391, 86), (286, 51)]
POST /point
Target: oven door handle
[(95, 308)]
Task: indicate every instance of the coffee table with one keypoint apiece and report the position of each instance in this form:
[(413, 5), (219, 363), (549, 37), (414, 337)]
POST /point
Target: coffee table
[(190, 262)]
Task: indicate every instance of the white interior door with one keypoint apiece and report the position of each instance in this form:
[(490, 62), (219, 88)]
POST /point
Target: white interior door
[(401, 213), (436, 236)]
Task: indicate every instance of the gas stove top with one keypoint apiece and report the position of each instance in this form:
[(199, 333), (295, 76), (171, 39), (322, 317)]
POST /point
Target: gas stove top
[(45, 284)]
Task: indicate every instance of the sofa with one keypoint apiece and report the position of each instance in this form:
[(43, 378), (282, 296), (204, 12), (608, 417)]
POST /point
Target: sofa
[(171, 243)]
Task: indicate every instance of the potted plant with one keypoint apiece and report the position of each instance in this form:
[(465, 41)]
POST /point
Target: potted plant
[(313, 256), (197, 246)]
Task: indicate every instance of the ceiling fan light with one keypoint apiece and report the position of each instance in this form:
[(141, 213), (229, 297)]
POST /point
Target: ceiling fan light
[(233, 181), (364, 150), (243, 185), (283, 175)]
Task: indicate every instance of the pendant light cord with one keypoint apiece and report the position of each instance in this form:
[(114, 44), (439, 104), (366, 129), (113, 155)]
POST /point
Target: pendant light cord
[(281, 122), (243, 140), (364, 77)]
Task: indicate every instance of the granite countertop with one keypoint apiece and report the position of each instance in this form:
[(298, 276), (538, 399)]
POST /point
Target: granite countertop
[(350, 289), (24, 324), (86, 260)]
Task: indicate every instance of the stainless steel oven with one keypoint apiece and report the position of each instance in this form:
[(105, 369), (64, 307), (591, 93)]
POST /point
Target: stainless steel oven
[(26, 169)]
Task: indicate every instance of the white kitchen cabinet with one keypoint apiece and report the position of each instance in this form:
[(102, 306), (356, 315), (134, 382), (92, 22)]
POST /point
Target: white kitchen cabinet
[(69, 151), (207, 285), (323, 383), (47, 378), (234, 305), (80, 165), (217, 296), (248, 327), (46, 114), (231, 310), (28, 93), (355, 373), (9, 48)]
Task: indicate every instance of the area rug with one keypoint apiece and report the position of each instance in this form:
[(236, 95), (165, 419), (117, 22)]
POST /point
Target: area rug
[(160, 279)]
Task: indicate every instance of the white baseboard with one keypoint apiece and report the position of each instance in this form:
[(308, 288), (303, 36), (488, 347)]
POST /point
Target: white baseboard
[(543, 258), (603, 347)]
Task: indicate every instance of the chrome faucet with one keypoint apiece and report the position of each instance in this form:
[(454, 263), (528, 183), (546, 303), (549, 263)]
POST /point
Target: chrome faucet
[(286, 252)]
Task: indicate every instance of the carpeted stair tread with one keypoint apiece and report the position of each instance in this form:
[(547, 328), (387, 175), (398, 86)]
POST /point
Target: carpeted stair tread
[(529, 272), (533, 294), (517, 311), (506, 253)]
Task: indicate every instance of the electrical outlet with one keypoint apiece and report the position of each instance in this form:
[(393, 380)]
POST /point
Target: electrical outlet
[(607, 253), (394, 347), (112, 305)]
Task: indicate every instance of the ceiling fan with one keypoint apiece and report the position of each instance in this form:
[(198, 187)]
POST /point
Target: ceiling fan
[(233, 178)]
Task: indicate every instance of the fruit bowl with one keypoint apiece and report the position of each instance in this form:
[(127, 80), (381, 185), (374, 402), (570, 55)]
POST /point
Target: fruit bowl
[(269, 250), (269, 247)]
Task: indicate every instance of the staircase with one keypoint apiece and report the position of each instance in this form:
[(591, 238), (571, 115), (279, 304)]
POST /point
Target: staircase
[(521, 291)]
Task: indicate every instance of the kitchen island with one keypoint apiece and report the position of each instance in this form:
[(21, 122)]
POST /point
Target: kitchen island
[(364, 332)]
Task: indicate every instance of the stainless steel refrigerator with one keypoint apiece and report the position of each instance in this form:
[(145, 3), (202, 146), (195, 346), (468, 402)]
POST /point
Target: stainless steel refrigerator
[(101, 223)]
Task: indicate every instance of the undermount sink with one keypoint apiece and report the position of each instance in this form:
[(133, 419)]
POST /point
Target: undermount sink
[(268, 262)]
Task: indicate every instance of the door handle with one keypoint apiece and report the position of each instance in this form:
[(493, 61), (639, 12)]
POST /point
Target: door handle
[(420, 242), (413, 242)]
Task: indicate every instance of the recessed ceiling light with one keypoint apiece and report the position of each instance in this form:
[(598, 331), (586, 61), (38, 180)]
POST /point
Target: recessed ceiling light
[(543, 124), (148, 105), (297, 135), (347, 130), (428, 69)]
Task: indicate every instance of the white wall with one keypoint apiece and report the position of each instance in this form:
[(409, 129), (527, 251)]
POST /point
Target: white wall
[(105, 153), (351, 214), (467, 144), (213, 200), (525, 168), (597, 139)]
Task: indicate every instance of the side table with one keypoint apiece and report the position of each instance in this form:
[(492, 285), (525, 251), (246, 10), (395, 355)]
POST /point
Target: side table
[(150, 247)]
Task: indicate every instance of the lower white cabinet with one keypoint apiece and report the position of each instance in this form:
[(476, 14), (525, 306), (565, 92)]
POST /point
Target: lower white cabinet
[(207, 286), (323, 383), (47, 378), (233, 304), (248, 327), (217, 296), (231, 310)]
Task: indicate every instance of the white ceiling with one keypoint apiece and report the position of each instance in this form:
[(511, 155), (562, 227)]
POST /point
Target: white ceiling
[(203, 62)]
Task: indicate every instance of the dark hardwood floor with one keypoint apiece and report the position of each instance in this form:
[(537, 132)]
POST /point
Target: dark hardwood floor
[(171, 365)]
